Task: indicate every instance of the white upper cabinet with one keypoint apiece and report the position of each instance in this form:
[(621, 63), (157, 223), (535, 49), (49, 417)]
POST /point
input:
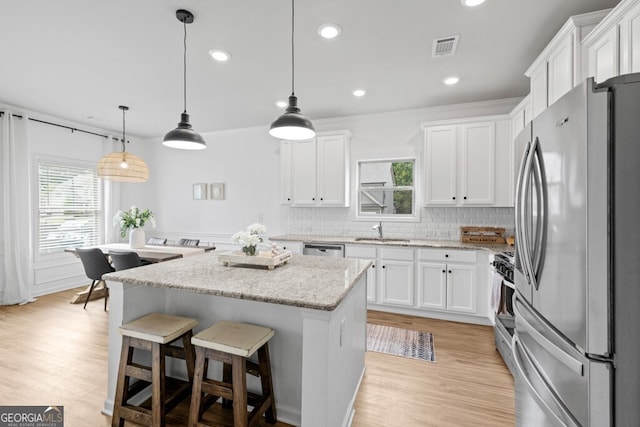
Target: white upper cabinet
[(561, 65), (315, 172), (613, 47), (441, 146), (468, 162), (478, 163)]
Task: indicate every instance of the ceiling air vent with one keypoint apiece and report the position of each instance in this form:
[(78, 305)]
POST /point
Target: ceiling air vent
[(444, 46)]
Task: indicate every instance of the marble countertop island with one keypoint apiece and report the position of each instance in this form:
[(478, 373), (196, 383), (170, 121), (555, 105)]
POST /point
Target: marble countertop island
[(309, 282), (317, 307)]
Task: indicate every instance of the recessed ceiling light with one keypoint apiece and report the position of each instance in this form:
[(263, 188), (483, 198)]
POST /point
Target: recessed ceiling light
[(472, 3), (359, 92), (329, 31), (451, 80), (220, 55), (281, 104)]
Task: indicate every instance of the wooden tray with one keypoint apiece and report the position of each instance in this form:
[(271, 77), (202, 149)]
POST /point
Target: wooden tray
[(482, 235), (238, 257)]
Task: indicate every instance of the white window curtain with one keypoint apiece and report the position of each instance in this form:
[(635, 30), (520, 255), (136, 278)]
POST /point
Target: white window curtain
[(16, 279)]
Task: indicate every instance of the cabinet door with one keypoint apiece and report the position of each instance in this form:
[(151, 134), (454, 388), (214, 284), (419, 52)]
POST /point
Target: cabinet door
[(331, 173), (397, 282), (368, 253), (461, 289), (295, 247), (561, 69), (603, 56), (539, 90), (285, 172), (440, 165), (303, 180), (478, 168), (432, 286)]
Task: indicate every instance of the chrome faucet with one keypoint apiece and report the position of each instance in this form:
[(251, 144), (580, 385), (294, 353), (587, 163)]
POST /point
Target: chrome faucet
[(378, 227)]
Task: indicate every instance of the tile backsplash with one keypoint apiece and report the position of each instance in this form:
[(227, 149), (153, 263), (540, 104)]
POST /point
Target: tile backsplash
[(434, 224)]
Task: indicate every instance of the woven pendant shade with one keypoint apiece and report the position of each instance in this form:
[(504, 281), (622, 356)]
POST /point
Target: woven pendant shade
[(110, 167)]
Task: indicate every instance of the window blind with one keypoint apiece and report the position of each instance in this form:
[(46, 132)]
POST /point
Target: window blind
[(69, 207)]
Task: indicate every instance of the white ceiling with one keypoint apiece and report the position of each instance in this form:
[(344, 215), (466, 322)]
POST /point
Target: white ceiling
[(80, 59)]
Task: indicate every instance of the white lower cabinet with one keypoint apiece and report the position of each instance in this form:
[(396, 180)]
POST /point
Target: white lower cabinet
[(295, 247), (448, 287), (442, 283), (368, 253), (447, 280), (396, 276)]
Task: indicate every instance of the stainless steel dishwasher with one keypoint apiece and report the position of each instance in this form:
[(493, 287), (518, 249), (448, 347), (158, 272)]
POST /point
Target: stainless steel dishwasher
[(320, 249)]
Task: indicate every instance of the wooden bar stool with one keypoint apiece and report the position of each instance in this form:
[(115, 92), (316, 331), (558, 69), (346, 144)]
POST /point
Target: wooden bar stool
[(232, 344), (154, 332)]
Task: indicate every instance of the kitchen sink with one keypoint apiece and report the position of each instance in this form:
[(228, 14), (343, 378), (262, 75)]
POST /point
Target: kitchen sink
[(378, 239)]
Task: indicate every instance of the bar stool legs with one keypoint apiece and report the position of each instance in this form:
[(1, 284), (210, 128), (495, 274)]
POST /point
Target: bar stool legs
[(232, 343), (153, 333)]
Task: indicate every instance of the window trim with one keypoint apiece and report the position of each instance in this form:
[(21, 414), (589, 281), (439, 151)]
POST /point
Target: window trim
[(62, 162), (414, 217)]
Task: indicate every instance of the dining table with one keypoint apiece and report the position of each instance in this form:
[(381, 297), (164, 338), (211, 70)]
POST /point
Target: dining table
[(149, 254)]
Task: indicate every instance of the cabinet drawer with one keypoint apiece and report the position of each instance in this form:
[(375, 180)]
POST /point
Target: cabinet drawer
[(447, 255), (398, 254), (364, 252)]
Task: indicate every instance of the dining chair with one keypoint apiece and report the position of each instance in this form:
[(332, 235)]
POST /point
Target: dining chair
[(95, 265), (189, 242), (156, 241), (123, 260)]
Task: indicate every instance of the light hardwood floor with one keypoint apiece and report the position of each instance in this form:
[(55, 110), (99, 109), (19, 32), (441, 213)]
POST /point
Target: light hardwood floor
[(55, 353)]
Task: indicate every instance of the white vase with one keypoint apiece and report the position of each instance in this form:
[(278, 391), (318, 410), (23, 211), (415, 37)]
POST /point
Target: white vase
[(136, 238)]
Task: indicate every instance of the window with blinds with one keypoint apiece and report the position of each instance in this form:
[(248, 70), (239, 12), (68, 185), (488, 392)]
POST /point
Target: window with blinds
[(69, 207)]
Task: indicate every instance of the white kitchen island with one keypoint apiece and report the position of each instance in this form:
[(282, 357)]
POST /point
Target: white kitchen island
[(315, 305)]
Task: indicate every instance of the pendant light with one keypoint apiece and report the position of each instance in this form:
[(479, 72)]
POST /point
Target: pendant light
[(292, 125), (123, 166), (184, 136)]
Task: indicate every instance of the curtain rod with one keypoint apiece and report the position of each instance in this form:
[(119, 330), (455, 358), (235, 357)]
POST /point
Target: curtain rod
[(72, 129)]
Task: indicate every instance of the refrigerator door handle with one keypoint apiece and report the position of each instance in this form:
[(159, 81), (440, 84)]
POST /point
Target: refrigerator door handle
[(551, 403), (541, 228), (519, 211), (574, 364), (524, 227)]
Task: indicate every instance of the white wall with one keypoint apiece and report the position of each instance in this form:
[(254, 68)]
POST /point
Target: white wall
[(245, 160)]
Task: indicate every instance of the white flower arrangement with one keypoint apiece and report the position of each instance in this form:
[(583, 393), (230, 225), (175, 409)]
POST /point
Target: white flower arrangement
[(133, 218), (250, 238)]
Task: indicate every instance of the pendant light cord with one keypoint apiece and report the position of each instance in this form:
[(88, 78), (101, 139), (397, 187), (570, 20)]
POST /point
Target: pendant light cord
[(292, 48), (184, 74), (123, 124)]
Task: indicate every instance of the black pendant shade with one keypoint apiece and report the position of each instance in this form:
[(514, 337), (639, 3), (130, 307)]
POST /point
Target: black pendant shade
[(292, 125), (184, 136)]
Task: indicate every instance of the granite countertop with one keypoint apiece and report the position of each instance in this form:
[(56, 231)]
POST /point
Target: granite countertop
[(442, 244), (310, 282)]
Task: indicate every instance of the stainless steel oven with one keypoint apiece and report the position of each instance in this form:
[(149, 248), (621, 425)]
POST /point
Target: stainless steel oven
[(502, 305)]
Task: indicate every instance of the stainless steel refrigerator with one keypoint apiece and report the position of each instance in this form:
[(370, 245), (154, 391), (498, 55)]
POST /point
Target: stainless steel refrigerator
[(577, 266)]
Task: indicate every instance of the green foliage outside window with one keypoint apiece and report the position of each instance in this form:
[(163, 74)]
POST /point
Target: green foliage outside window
[(402, 176)]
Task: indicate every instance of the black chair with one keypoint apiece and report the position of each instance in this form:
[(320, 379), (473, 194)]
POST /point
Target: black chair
[(189, 242), (156, 241), (95, 265), (123, 260)]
